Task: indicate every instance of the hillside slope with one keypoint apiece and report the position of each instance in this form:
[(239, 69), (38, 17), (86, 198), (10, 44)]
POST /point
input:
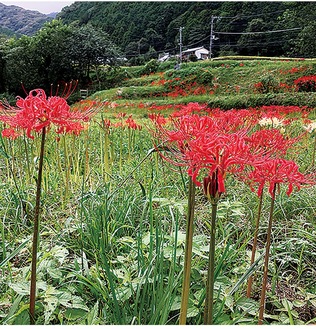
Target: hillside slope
[(21, 21), (143, 27)]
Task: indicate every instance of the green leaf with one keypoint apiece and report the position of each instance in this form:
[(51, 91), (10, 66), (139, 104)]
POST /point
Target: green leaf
[(14, 252), (22, 288), (74, 314), (92, 317), (192, 311), (22, 317), (51, 303)]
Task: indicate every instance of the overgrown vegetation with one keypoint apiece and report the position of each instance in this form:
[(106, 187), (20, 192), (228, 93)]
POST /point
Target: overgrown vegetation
[(113, 212)]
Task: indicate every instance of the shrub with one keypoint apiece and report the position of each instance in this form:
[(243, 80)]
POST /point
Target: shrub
[(167, 65), (111, 77), (306, 83), (243, 101), (190, 75), (150, 67), (267, 84)]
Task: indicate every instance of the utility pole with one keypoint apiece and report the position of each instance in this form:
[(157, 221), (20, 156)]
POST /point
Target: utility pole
[(180, 44), (212, 36)]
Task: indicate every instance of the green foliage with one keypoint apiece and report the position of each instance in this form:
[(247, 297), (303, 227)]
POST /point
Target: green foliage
[(150, 67), (18, 21), (190, 74), (55, 54), (132, 32), (244, 101), (268, 84), (112, 251)]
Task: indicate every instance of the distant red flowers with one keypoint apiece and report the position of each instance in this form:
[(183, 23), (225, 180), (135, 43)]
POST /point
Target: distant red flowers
[(306, 83)]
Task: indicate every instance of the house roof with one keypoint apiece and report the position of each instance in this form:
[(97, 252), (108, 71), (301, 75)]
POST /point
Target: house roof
[(195, 49)]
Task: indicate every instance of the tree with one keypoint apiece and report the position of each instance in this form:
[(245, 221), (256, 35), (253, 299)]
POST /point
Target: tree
[(305, 45), (52, 51), (91, 47), (253, 44), (21, 63)]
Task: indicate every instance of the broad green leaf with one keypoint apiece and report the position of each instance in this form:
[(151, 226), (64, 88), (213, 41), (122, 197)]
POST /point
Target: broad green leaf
[(192, 311), (74, 314), (51, 303), (92, 316)]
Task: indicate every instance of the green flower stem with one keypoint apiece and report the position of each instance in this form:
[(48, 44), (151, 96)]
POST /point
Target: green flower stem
[(208, 313), (254, 246), (266, 260), (67, 170), (188, 254), (314, 151), (107, 169), (27, 159), (36, 230)]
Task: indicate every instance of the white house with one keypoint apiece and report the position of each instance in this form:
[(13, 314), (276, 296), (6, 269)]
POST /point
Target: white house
[(163, 57), (199, 52)]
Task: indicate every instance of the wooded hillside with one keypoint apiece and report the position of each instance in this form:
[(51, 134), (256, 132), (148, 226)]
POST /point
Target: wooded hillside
[(244, 28), (20, 21)]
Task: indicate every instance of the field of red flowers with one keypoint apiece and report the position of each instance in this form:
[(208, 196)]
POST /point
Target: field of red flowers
[(179, 197)]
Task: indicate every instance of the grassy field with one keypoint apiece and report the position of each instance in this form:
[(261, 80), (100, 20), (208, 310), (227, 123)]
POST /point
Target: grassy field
[(114, 212)]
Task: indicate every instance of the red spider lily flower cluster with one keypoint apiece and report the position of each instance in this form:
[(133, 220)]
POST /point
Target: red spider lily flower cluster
[(276, 171), (37, 111), (226, 143), (130, 123), (306, 83)]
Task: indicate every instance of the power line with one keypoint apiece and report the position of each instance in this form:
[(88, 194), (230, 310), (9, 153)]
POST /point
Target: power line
[(259, 32), (249, 16)]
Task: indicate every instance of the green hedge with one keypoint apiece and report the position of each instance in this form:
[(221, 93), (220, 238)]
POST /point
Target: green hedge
[(244, 101)]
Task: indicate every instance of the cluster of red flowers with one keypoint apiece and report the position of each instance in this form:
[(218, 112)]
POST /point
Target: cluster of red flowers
[(306, 83), (37, 111), (227, 142), (294, 70), (129, 123)]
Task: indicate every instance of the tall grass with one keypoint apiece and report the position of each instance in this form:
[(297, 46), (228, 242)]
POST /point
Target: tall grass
[(113, 234)]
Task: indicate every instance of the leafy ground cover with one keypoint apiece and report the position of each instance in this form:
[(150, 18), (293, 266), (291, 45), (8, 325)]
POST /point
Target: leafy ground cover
[(114, 211)]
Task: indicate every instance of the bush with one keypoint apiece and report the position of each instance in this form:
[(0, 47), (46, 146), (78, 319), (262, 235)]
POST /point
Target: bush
[(267, 84), (306, 84), (8, 97), (111, 77), (191, 74), (243, 101), (150, 67)]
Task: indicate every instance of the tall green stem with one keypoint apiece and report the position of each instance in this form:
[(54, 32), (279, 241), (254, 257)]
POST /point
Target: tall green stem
[(36, 230), (208, 313), (314, 151), (188, 254), (266, 260), (254, 246)]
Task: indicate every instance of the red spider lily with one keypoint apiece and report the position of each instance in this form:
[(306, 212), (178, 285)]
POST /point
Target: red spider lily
[(106, 123), (269, 142), (233, 120), (218, 153), (275, 172), (10, 133), (183, 130), (121, 115), (213, 186), (131, 124), (279, 111), (37, 111), (191, 108), (157, 118), (199, 143), (306, 83)]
